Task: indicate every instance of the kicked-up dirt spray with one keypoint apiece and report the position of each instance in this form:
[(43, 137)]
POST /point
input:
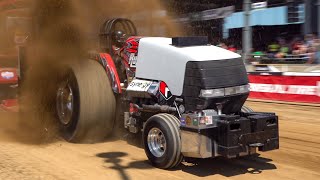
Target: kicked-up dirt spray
[(63, 32)]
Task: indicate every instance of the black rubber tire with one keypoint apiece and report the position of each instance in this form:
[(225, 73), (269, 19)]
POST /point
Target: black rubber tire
[(169, 125), (94, 104), (246, 109)]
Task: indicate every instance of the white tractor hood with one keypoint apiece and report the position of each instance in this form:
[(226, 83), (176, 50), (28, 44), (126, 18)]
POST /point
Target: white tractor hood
[(159, 60)]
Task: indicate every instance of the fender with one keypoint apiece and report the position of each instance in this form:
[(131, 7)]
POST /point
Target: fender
[(108, 63)]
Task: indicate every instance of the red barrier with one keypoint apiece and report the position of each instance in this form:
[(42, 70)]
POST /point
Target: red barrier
[(286, 87), (10, 105)]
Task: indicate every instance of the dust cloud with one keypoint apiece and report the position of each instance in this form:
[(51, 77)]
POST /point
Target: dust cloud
[(62, 33)]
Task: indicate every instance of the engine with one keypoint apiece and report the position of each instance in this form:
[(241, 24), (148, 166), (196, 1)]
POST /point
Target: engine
[(204, 76)]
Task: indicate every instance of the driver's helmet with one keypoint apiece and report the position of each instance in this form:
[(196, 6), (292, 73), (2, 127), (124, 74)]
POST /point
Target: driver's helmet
[(119, 38)]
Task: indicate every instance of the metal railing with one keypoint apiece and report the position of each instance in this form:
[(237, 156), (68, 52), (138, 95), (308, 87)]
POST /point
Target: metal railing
[(288, 59)]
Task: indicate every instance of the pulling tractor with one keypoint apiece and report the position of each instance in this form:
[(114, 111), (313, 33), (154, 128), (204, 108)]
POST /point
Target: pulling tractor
[(185, 96)]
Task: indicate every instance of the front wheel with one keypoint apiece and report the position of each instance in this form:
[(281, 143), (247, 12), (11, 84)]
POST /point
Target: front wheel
[(162, 142)]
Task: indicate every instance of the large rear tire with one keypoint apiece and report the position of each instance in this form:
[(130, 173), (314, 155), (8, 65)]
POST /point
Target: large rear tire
[(86, 104), (162, 143)]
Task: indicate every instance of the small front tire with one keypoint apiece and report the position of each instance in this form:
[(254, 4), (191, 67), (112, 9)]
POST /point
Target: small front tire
[(162, 143)]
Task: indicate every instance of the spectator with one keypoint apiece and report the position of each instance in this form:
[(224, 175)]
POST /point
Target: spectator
[(273, 49), (256, 56), (232, 48), (223, 45), (317, 51), (309, 39), (299, 48), (310, 48), (284, 49), (295, 45), (314, 52)]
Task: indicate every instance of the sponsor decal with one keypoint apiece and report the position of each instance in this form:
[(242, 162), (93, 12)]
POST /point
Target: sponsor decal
[(208, 120), (259, 5), (131, 51), (133, 60), (195, 122), (202, 120), (188, 121), (7, 75), (208, 14), (182, 122), (293, 87), (164, 90), (154, 88), (286, 89), (139, 85)]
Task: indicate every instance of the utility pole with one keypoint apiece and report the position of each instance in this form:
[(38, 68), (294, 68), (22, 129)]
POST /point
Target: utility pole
[(247, 31), (307, 29), (318, 19)]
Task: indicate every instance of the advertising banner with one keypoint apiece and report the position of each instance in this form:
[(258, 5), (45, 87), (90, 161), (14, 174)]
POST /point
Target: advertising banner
[(286, 87)]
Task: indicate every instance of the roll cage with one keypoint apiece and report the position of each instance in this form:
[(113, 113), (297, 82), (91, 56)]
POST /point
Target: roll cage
[(109, 27)]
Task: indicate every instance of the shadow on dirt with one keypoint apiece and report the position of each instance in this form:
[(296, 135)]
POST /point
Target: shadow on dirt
[(115, 158), (227, 167), (254, 164), (200, 168)]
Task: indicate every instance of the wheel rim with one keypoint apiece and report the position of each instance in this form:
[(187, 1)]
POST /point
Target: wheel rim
[(156, 142), (65, 103)]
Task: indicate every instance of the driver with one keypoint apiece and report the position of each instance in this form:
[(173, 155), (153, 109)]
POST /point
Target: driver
[(119, 40)]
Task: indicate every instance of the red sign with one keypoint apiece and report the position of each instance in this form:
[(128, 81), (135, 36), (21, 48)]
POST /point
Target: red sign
[(8, 76), (285, 88)]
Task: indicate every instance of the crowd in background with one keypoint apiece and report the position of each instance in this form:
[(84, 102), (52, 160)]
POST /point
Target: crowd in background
[(230, 47), (306, 48)]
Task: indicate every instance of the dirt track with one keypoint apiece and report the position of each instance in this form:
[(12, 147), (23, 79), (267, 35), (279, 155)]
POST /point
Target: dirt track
[(298, 157)]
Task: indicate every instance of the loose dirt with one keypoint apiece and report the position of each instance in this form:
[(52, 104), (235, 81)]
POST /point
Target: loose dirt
[(64, 31), (297, 158)]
